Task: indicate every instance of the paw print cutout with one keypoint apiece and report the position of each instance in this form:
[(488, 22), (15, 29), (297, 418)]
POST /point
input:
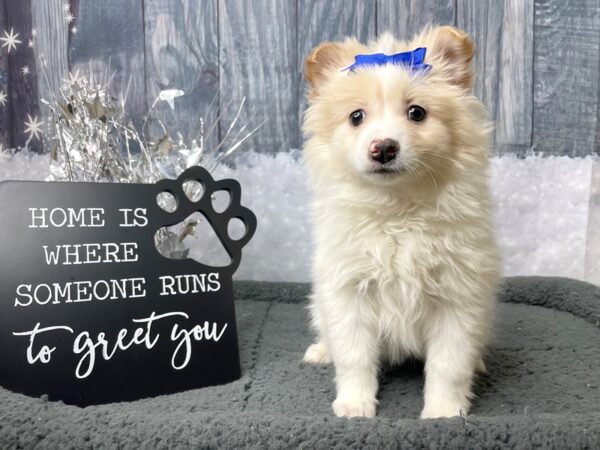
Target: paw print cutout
[(186, 200)]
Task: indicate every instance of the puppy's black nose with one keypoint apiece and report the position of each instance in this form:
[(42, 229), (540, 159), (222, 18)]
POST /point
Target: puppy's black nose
[(383, 150)]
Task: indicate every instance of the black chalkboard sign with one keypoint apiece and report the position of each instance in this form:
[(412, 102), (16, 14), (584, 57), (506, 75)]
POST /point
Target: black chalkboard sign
[(91, 312)]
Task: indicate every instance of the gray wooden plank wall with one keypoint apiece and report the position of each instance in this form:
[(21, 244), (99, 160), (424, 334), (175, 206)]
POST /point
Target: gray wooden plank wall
[(182, 50), (537, 61)]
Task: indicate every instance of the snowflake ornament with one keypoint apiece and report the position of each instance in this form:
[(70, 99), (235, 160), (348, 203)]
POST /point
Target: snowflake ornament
[(10, 40), (25, 70), (3, 98), (33, 127)]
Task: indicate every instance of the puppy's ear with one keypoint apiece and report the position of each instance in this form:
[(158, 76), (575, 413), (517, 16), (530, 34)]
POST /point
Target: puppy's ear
[(324, 57), (452, 50)]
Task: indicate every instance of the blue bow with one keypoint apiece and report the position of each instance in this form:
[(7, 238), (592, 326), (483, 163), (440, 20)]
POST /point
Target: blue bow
[(412, 60)]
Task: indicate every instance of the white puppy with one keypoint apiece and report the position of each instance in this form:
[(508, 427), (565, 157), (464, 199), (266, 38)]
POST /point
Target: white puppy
[(406, 262)]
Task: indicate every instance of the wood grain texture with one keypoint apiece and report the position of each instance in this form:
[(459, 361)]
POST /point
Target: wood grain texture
[(5, 110), (258, 59), (515, 80), (566, 68), (502, 65), (537, 61), (403, 18), (23, 89), (51, 50), (330, 21), (111, 40), (182, 51)]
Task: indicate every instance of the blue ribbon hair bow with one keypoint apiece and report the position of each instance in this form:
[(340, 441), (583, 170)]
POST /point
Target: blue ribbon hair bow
[(412, 60)]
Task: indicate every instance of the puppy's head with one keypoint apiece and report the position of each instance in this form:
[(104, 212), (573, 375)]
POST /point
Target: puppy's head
[(388, 124)]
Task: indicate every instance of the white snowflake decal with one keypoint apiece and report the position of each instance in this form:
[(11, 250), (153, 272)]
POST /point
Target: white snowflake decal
[(25, 70), (10, 40), (169, 96), (3, 98), (33, 127)]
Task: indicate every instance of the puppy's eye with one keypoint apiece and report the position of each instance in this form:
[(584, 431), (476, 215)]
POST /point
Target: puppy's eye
[(357, 117), (416, 113)]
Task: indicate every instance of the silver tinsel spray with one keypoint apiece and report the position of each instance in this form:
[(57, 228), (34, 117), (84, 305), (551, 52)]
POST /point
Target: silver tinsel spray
[(93, 140)]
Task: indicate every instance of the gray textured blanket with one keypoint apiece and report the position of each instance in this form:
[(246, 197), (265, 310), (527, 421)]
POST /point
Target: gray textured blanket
[(543, 388)]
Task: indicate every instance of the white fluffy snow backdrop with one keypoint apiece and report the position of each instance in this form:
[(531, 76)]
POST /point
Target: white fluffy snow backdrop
[(545, 223)]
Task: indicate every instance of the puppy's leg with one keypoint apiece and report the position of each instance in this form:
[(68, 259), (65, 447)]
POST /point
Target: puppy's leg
[(352, 336), (453, 355), (317, 353)]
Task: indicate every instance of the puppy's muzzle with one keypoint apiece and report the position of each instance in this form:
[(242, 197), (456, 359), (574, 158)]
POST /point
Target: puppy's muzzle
[(383, 150)]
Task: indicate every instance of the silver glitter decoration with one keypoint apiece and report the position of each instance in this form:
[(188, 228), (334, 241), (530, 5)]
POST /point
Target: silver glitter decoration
[(93, 140)]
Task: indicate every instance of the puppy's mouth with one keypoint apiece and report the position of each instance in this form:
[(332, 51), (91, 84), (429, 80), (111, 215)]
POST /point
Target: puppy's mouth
[(387, 170)]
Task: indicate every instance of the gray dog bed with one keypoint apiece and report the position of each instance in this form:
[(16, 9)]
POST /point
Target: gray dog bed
[(543, 389)]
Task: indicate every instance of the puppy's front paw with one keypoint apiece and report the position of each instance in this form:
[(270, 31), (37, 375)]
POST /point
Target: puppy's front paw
[(348, 407), (317, 354), (444, 408)]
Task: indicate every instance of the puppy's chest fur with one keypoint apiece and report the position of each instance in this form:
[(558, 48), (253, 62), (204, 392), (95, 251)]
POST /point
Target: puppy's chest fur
[(395, 283), (395, 260)]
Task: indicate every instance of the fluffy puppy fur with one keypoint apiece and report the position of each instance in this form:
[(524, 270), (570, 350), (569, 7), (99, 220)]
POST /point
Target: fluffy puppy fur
[(406, 262)]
